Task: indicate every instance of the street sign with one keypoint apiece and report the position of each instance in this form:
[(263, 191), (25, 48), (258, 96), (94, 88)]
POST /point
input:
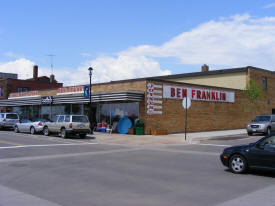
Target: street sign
[(186, 102), (86, 92)]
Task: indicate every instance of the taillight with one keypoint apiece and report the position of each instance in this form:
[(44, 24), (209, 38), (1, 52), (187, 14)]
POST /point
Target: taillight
[(40, 124), (71, 125)]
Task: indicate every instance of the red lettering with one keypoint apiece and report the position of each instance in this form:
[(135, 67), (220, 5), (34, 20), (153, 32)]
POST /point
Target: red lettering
[(184, 92), (198, 94), (213, 96), (172, 92), (224, 96), (203, 95), (193, 93), (178, 92), (208, 94)]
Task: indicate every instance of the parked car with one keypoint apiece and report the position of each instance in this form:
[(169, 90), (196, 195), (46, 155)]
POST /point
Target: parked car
[(26, 125), (8, 120), (261, 124), (68, 124), (260, 154)]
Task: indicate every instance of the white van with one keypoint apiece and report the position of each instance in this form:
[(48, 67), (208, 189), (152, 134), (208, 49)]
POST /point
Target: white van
[(8, 120)]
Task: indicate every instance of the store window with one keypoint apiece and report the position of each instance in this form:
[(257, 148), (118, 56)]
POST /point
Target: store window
[(19, 89), (77, 109), (264, 80), (46, 112), (25, 89), (112, 113), (1, 92)]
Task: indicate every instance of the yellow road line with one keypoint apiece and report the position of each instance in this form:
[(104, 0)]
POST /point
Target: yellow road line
[(10, 143)]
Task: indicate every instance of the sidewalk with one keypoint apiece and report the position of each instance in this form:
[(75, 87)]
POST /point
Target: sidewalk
[(155, 140)]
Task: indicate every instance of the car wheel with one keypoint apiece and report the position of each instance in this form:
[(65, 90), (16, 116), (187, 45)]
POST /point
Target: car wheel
[(32, 130), (249, 133), (268, 131), (16, 130), (82, 135), (46, 131), (238, 164), (63, 133)]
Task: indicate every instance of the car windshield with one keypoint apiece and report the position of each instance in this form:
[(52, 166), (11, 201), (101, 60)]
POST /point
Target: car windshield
[(262, 119), (79, 119), (39, 120), (12, 116), (26, 121), (268, 142)]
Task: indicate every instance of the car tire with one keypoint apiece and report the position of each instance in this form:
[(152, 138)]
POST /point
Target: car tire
[(249, 133), (32, 130), (63, 133), (82, 135), (238, 164), (16, 130), (46, 131), (268, 131)]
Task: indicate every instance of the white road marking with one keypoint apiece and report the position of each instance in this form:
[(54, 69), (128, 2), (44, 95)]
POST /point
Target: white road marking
[(263, 197), (215, 145), (185, 151), (47, 157), (45, 145), (13, 197)]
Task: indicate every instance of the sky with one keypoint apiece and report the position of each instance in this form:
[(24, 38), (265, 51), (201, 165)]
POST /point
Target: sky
[(124, 39)]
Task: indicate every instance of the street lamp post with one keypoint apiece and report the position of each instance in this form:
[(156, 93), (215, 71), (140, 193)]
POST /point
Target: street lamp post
[(90, 97)]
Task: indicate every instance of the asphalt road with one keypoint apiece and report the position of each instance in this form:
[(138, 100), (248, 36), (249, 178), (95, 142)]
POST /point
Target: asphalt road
[(38, 170)]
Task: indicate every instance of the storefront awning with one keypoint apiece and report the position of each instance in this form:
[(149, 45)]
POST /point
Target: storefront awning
[(77, 98)]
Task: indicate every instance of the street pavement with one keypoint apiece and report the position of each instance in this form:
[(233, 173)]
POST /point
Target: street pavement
[(117, 170)]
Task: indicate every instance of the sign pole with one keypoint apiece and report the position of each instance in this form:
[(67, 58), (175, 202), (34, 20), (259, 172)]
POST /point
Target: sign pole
[(186, 103), (185, 131)]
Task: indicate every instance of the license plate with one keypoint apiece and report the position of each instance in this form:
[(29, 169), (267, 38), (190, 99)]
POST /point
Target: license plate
[(254, 130), (80, 126)]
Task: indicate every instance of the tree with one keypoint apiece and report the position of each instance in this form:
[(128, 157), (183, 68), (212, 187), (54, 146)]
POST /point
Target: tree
[(255, 94)]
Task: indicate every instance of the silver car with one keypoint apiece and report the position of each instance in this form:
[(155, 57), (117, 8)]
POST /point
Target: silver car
[(261, 124), (8, 120), (32, 127), (68, 124)]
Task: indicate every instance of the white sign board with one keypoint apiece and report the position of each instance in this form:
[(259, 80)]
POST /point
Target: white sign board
[(186, 102), (198, 94), (154, 99)]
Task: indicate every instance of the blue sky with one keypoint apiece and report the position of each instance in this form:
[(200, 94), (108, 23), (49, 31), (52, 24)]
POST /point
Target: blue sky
[(126, 38)]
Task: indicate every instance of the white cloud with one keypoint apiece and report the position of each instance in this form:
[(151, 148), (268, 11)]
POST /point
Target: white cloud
[(11, 54), (22, 67), (85, 54), (111, 69), (236, 41), (268, 6), (239, 40)]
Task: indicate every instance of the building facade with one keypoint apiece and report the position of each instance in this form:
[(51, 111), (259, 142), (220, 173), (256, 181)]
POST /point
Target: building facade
[(10, 84), (217, 98)]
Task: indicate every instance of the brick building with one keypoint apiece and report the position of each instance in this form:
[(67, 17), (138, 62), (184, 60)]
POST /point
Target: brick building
[(10, 84), (217, 100)]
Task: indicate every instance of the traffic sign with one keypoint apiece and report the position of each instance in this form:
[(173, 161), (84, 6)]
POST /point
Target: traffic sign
[(186, 102), (86, 92)]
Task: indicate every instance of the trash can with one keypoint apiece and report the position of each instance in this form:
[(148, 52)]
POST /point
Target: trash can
[(139, 127)]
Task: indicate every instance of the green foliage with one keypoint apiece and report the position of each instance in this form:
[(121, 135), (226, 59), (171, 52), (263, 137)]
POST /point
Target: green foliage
[(255, 95), (254, 92)]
